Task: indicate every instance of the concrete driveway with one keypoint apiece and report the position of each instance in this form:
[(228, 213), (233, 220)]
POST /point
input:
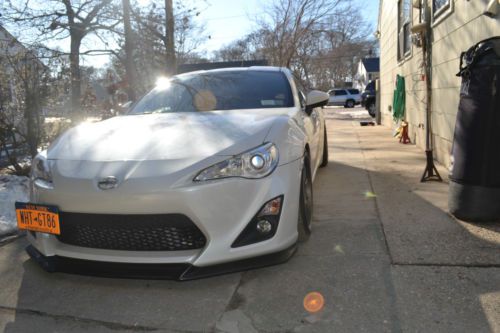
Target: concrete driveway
[(384, 254)]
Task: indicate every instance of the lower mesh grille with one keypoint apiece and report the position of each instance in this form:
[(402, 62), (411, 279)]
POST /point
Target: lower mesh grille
[(161, 232)]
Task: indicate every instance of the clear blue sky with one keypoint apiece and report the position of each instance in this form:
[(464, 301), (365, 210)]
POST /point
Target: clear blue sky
[(227, 20)]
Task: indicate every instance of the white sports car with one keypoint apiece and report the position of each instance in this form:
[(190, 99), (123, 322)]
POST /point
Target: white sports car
[(211, 172)]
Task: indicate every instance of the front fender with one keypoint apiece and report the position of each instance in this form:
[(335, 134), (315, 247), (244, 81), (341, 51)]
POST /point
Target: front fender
[(290, 137)]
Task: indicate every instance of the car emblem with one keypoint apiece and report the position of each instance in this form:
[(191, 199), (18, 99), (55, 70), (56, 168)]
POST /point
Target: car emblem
[(107, 183)]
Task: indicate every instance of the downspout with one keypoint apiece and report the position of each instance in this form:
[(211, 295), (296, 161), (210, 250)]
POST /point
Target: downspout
[(378, 102)]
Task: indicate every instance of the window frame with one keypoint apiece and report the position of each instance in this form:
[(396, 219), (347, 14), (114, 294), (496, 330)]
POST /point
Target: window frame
[(300, 93), (442, 13), (302, 99), (401, 27)]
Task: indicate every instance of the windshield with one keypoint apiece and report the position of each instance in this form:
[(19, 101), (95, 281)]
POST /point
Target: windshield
[(222, 90)]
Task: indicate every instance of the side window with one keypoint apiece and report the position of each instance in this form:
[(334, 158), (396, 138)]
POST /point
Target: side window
[(340, 93), (353, 91)]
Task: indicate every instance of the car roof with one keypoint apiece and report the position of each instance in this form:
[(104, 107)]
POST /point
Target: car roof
[(343, 89), (239, 69)]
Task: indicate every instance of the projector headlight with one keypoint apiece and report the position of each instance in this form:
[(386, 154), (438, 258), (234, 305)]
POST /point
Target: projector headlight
[(40, 172), (256, 163)]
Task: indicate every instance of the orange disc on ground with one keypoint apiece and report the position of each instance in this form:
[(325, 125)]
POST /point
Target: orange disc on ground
[(314, 302)]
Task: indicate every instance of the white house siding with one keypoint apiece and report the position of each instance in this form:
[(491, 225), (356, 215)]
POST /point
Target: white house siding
[(361, 77), (453, 34)]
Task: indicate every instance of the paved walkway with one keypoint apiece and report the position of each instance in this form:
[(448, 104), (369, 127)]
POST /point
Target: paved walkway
[(384, 254)]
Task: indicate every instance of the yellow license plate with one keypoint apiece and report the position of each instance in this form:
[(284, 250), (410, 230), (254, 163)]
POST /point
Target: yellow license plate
[(41, 218)]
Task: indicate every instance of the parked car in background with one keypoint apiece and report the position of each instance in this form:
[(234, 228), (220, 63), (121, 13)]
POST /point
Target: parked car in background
[(207, 170), (368, 98), (344, 97)]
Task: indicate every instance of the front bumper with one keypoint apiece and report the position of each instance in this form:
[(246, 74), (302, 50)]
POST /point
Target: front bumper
[(220, 209), (181, 272)]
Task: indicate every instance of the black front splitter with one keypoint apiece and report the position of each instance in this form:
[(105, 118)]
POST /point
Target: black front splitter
[(181, 272)]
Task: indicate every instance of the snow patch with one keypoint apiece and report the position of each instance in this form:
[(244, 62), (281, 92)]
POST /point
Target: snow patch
[(12, 189)]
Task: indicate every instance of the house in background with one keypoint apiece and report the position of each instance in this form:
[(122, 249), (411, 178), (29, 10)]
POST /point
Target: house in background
[(455, 26), (9, 45), (368, 69), (9, 48), (13, 54)]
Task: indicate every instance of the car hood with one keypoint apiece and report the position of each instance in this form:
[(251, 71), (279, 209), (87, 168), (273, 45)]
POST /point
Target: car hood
[(170, 136)]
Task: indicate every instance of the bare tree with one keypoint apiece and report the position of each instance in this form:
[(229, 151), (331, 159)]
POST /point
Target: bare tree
[(129, 61), (25, 84), (288, 22), (62, 19), (320, 40), (162, 26), (150, 55), (247, 48), (169, 38)]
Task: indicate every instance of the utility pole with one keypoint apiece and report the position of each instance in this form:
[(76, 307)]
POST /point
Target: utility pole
[(169, 38), (430, 172), (129, 65)]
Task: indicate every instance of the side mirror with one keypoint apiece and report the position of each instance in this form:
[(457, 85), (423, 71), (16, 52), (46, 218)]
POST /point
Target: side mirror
[(316, 99)]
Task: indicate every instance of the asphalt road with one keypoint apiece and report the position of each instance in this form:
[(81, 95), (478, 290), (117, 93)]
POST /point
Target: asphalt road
[(384, 254)]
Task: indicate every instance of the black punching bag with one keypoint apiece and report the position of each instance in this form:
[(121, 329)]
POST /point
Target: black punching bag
[(474, 193)]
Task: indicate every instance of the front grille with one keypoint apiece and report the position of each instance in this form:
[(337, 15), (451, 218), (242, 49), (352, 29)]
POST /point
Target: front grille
[(160, 232)]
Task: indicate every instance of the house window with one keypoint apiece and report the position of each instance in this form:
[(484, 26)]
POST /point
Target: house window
[(438, 6), (440, 9), (404, 21)]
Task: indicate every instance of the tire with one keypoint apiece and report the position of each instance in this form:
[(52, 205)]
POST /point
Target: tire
[(371, 109), (324, 160), (349, 103), (305, 202)]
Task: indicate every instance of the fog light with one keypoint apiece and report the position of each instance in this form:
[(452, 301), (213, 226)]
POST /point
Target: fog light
[(264, 226)]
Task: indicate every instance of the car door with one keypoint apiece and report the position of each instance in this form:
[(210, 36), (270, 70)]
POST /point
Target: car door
[(340, 96), (334, 98), (355, 94)]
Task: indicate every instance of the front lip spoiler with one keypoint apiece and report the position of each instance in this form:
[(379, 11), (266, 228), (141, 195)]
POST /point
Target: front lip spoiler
[(181, 272)]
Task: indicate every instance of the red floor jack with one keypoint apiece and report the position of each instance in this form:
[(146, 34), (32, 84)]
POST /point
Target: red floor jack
[(404, 138)]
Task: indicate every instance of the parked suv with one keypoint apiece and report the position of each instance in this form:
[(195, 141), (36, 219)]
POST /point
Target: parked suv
[(346, 97), (368, 98)]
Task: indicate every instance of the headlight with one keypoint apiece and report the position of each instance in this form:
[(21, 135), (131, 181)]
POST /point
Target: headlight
[(40, 172), (256, 163)]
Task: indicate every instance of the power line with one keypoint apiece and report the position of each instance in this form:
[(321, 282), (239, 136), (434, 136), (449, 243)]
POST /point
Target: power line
[(227, 17), (260, 13)]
